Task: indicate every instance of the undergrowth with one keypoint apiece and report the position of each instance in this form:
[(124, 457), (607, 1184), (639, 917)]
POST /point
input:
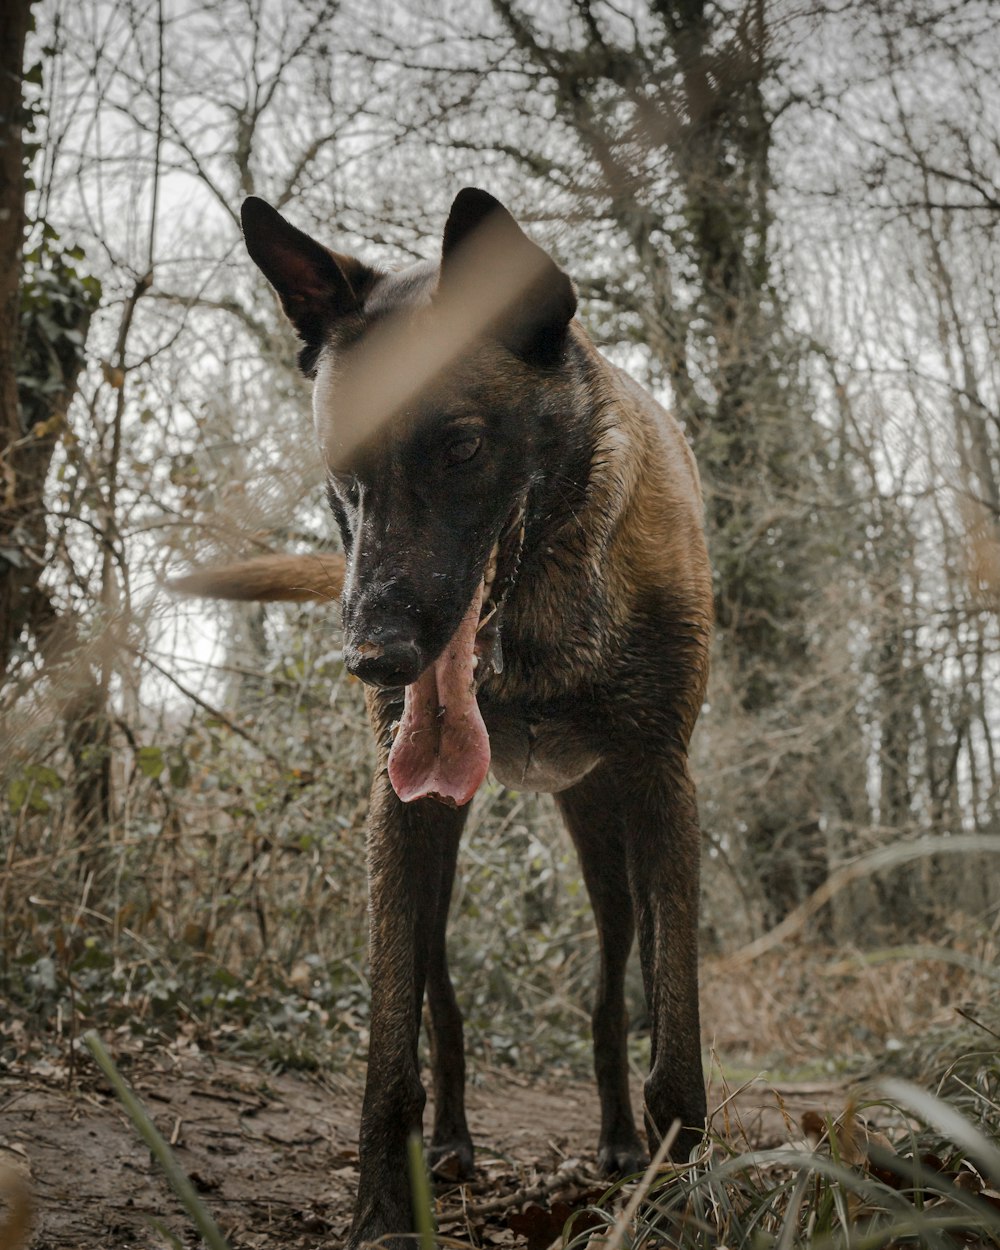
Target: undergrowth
[(226, 903), (901, 1166)]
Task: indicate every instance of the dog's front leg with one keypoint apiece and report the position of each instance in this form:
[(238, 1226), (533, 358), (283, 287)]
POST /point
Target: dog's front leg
[(407, 847)]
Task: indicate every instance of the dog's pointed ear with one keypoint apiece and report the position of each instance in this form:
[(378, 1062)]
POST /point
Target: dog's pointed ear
[(315, 285), (485, 248)]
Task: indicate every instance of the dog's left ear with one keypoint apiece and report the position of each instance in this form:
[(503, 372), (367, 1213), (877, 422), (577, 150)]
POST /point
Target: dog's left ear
[(485, 250), (315, 285)]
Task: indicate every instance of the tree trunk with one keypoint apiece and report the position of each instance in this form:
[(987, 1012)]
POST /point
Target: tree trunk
[(16, 570)]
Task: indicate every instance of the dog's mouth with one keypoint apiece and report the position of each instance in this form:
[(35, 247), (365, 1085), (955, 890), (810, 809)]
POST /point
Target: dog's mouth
[(441, 749), (498, 578)]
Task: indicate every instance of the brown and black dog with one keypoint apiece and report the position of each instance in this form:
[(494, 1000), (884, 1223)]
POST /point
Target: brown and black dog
[(525, 589)]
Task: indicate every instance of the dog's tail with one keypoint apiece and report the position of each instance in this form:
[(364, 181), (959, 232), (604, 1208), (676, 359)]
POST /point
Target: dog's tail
[(268, 579)]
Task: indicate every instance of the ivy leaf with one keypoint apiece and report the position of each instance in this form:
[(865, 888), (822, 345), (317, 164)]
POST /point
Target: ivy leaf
[(150, 761), (180, 770)]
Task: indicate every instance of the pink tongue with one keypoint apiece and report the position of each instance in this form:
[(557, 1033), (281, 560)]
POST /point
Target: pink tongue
[(441, 749)]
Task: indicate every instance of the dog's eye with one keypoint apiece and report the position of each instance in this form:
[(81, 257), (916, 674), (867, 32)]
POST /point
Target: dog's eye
[(461, 450)]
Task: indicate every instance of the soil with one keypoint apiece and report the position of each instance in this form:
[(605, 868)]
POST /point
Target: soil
[(275, 1155)]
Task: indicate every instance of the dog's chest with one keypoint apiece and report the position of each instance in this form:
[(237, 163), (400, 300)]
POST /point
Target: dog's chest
[(536, 752)]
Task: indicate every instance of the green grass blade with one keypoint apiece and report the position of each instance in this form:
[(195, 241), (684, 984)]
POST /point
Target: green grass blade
[(420, 1189), (946, 1120), (160, 1150)]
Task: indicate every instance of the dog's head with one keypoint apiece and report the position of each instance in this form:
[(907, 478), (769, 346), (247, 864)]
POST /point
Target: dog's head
[(424, 381)]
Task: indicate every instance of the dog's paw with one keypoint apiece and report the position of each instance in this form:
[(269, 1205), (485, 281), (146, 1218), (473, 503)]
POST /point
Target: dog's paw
[(623, 1158), (451, 1160)]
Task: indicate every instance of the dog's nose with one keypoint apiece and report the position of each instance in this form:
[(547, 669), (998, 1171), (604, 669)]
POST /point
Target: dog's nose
[(395, 662)]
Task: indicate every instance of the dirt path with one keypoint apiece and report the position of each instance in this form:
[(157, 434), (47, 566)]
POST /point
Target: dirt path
[(275, 1156)]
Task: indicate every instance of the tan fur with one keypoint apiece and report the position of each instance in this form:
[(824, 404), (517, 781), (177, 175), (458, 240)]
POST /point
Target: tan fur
[(269, 579), (15, 1223)]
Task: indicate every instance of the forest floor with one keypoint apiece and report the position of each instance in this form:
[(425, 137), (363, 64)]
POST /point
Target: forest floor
[(275, 1155)]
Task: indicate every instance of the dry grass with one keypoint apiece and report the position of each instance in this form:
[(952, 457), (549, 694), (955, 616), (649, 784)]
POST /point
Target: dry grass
[(809, 1009)]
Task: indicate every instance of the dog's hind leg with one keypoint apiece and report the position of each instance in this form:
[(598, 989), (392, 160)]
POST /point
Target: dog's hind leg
[(408, 845), (648, 817), (450, 1135), (663, 844), (602, 859)]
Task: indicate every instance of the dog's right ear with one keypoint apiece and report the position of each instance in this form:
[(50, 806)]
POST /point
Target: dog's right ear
[(315, 285), (485, 255)]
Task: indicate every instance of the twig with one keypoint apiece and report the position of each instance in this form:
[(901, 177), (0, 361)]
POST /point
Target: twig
[(864, 866), (560, 1181), (214, 712)]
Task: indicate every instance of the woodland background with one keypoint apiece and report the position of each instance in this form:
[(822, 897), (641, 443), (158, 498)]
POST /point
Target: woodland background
[(783, 217)]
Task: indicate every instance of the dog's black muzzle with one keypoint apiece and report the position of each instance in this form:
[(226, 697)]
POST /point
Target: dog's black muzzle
[(386, 658)]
